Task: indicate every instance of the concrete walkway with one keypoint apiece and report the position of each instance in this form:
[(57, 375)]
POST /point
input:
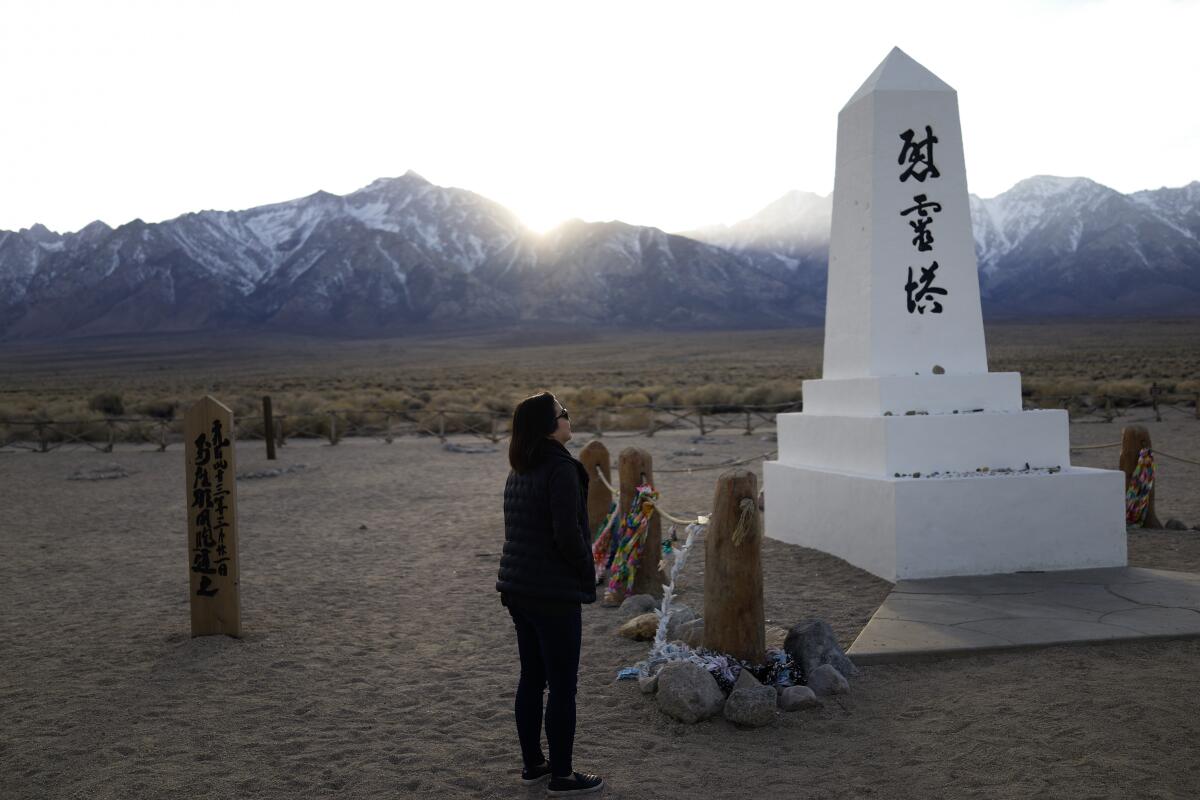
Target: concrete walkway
[(943, 617)]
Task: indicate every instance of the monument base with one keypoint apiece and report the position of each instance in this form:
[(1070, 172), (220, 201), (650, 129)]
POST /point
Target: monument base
[(907, 528)]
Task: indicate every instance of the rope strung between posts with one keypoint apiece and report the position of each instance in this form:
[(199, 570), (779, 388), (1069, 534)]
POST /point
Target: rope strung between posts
[(722, 465), (1177, 458), (702, 519), (1118, 444)]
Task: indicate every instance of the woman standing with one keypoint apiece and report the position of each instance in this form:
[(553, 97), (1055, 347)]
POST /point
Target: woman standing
[(546, 572)]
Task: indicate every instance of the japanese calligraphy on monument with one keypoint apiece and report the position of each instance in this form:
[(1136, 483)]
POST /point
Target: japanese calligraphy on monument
[(917, 158), (212, 519)]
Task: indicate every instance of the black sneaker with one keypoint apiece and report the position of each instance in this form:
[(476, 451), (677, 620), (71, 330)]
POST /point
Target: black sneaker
[(535, 776), (578, 783)]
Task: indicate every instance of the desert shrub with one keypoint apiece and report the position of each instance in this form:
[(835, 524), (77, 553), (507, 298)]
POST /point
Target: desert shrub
[(159, 409), (107, 403), (1125, 390), (715, 395)]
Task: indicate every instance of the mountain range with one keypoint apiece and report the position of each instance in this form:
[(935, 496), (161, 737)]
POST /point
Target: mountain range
[(404, 254)]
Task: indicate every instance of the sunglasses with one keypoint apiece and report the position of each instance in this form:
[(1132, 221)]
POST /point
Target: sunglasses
[(563, 415)]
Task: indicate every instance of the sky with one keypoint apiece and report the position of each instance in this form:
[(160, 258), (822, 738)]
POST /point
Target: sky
[(671, 114)]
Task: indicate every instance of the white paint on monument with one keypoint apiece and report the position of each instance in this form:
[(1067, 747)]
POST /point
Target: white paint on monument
[(906, 390)]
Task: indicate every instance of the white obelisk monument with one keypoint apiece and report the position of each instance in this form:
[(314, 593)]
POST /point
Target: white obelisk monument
[(910, 459)]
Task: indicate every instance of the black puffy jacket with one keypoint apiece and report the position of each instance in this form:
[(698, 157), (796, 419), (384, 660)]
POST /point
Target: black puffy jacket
[(547, 543)]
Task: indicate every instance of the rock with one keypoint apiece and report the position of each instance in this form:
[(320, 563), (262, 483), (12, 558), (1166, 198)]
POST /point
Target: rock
[(812, 644), (745, 681), (453, 447), (637, 604), (827, 680), (688, 692), (108, 471), (1175, 525), (753, 706), (648, 683), (691, 633), (795, 698), (641, 628)]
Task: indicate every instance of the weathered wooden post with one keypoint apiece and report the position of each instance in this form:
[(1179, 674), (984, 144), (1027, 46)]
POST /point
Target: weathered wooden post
[(442, 425), (635, 467), (333, 428), (162, 436), (268, 428), (1108, 408), (650, 430), (387, 427), (733, 582), (700, 416), (112, 436), (211, 499), (749, 428), (594, 456), (43, 441), (1134, 439), (1154, 393)]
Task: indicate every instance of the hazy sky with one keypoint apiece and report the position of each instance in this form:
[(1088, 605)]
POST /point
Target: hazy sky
[(673, 114)]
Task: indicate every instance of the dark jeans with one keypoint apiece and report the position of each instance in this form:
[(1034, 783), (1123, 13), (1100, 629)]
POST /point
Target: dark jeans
[(549, 647)]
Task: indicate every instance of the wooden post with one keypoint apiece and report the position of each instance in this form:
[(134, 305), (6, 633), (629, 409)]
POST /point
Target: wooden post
[(387, 422), (492, 419), (700, 416), (210, 497), (43, 444), (1154, 391), (442, 425), (162, 436), (749, 428), (650, 430), (332, 428), (268, 427), (1108, 408), (112, 436), (1133, 440), (600, 422), (594, 456), (634, 466), (733, 582)]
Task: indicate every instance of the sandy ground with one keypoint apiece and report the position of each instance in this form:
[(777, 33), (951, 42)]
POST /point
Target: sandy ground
[(378, 661)]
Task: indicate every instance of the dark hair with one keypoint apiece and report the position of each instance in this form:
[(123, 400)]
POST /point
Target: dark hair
[(532, 421)]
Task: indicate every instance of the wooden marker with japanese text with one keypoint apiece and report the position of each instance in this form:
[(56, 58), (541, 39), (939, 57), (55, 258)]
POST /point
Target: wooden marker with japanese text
[(211, 493)]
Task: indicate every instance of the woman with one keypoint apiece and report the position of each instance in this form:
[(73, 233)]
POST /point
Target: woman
[(546, 572)]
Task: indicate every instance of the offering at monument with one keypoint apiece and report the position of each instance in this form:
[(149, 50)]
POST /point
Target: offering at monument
[(910, 459)]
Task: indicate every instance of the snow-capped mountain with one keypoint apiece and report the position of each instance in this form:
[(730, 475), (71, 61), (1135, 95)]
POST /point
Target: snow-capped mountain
[(1048, 246), (403, 252), (398, 253)]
